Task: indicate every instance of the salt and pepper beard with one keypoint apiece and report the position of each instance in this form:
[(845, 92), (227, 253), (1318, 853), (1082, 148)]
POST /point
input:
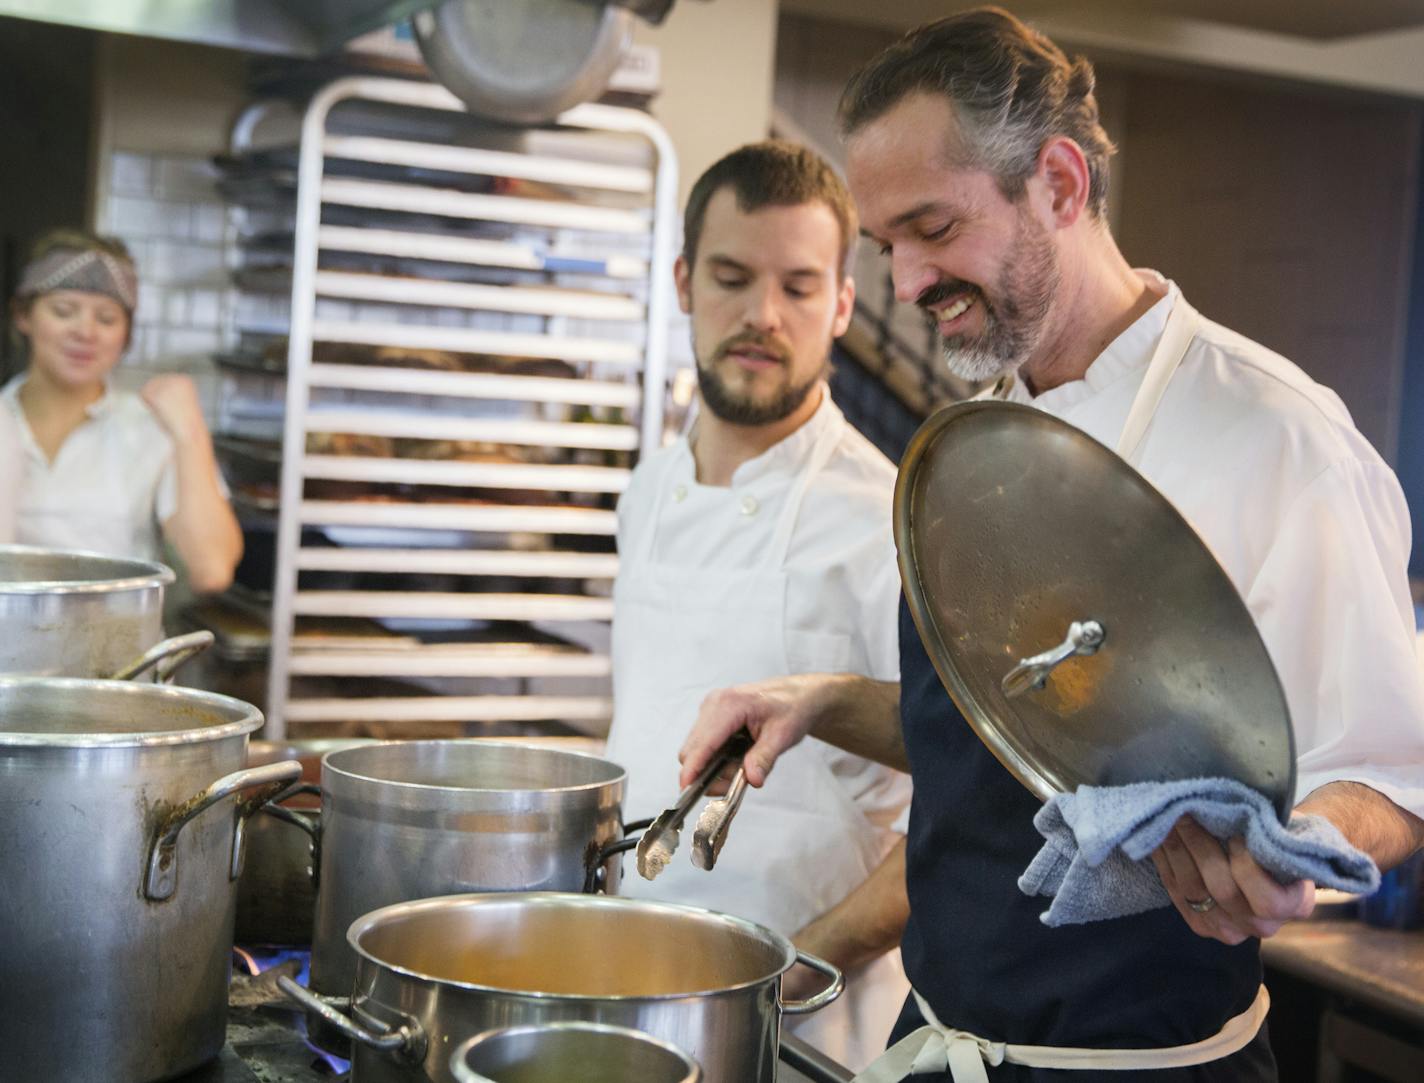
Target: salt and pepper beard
[(738, 409), (1014, 322)]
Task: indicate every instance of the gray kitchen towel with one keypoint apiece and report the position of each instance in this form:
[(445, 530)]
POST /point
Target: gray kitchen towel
[(1096, 863)]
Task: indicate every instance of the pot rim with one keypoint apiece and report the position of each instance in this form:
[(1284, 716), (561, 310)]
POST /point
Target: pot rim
[(347, 775), (243, 718), (566, 899), (153, 574)]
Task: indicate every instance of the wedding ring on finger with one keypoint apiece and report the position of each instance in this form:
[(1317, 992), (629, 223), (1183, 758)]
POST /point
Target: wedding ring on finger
[(1201, 906)]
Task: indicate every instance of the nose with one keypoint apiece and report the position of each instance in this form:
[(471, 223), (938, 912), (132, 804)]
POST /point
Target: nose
[(86, 324), (764, 307), (911, 273)]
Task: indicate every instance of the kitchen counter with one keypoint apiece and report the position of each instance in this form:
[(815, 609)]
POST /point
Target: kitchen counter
[(1383, 968)]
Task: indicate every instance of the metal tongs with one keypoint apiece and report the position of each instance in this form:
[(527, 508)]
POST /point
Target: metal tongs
[(659, 841)]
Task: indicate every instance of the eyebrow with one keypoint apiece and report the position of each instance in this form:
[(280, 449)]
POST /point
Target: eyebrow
[(728, 263), (919, 210)]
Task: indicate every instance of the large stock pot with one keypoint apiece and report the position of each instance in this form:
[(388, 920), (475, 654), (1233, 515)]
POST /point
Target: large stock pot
[(433, 973), (66, 613), (123, 808), (73, 614), (408, 820)]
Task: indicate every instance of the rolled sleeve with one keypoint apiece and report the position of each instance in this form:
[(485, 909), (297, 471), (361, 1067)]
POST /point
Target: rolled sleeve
[(1332, 603)]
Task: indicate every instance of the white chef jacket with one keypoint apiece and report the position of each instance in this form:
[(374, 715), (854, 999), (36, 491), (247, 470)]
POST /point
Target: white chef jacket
[(1308, 521), (11, 473), (841, 593), (112, 485)]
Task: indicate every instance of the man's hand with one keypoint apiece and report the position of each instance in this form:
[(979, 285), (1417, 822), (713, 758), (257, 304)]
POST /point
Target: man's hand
[(1222, 893), (777, 712), (173, 398)]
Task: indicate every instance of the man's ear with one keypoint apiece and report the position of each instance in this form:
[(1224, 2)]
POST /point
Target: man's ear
[(845, 306), (682, 277), (1065, 180)]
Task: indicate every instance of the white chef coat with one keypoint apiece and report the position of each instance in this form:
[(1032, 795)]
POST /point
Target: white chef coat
[(112, 485), (1308, 521), (804, 841), (11, 473)]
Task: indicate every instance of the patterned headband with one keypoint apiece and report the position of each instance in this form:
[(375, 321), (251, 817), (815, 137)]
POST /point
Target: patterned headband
[(89, 270)]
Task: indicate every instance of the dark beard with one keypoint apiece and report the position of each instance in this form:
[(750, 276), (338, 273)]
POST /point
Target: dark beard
[(740, 410)]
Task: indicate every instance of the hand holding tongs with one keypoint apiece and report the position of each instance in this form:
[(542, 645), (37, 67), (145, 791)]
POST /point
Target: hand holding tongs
[(659, 842)]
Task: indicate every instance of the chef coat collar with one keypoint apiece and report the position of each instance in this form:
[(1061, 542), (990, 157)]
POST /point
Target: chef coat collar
[(101, 406), (1127, 353), (784, 457)]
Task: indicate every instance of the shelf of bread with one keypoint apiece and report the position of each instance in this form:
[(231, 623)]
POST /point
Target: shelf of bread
[(415, 336), (490, 708), (472, 515), (502, 660), (529, 476), (474, 385), (475, 251), (529, 300), (494, 163), (442, 606), (460, 432), (536, 564), (452, 203)]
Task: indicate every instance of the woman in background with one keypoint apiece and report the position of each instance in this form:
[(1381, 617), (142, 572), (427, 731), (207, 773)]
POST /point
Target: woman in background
[(10, 473), (108, 470)]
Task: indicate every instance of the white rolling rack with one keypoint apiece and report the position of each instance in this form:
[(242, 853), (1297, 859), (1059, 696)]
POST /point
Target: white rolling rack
[(587, 266)]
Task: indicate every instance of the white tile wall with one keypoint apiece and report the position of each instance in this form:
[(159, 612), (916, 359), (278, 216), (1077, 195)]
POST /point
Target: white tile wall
[(168, 210)]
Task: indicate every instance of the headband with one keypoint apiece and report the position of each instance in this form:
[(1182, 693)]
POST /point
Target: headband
[(90, 270)]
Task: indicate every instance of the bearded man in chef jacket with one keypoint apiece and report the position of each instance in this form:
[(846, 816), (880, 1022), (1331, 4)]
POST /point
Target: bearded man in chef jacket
[(760, 545), (978, 163)]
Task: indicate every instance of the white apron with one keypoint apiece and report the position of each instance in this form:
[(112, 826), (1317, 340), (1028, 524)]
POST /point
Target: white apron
[(938, 1047), (798, 845)]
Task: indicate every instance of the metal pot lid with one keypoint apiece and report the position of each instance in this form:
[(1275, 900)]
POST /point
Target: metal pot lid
[(523, 61), (1022, 539)]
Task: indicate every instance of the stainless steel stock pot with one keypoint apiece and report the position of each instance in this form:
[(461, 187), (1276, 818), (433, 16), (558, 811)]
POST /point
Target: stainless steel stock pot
[(123, 808), (432, 974), (408, 820), (66, 613)]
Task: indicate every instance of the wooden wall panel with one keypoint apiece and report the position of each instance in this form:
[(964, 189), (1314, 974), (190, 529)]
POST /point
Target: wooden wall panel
[(1286, 216)]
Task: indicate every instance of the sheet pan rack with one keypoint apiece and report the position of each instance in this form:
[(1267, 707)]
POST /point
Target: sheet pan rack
[(474, 351)]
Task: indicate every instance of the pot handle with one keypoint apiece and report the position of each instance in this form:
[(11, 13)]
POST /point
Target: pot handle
[(406, 1041), (595, 873), (162, 875), (291, 816), (167, 656), (825, 996)]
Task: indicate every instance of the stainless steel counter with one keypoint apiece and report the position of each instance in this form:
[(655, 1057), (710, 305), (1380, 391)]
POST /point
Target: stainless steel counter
[(1383, 968)]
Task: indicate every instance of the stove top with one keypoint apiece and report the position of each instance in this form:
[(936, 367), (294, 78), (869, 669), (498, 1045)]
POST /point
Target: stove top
[(266, 1043)]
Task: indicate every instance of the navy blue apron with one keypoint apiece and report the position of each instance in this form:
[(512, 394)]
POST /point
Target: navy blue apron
[(976, 951)]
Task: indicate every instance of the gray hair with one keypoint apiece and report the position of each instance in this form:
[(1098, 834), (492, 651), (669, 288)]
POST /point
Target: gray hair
[(1012, 90)]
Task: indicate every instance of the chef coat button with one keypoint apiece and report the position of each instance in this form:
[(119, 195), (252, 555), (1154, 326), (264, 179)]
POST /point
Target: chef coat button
[(749, 505), (680, 493)]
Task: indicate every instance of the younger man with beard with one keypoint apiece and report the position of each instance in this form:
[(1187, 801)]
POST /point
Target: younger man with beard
[(760, 545)]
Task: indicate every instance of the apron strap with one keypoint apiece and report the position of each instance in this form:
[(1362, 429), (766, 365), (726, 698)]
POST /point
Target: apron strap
[(938, 1048), (1182, 325)]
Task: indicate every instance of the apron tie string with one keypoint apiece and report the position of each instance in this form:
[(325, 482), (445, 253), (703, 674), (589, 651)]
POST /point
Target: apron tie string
[(936, 1048)]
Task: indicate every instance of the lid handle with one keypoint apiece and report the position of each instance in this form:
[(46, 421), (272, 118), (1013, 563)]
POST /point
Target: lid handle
[(1084, 637)]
